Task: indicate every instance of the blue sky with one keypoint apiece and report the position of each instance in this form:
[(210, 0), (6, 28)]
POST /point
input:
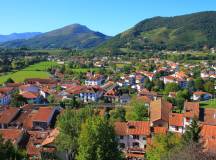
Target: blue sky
[(107, 16)]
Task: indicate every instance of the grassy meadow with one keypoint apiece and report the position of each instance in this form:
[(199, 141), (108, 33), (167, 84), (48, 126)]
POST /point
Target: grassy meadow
[(38, 70)]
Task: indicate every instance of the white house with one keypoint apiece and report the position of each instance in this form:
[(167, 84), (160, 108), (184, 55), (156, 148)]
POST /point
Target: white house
[(201, 96), (133, 136), (91, 93), (176, 123), (94, 80)]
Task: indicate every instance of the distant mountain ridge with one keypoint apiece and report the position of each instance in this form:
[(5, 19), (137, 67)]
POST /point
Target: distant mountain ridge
[(74, 36), (191, 31), (16, 36)]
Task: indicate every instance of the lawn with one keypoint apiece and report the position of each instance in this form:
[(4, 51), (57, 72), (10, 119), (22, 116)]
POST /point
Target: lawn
[(38, 70), (20, 76), (208, 104)]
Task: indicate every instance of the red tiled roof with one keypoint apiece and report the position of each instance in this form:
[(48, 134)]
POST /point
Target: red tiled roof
[(111, 92), (8, 114), (160, 130), (134, 155), (176, 119), (208, 137), (209, 116), (5, 90), (29, 95), (132, 128), (43, 114), (200, 93), (51, 137), (11, 134), (191, 109)]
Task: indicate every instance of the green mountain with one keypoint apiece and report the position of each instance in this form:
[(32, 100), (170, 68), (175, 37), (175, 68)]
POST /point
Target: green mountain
[(74, 36), (192, 31)]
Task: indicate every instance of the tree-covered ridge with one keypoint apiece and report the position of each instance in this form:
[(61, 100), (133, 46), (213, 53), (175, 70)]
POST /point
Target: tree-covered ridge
[(73, 36), (192, 31)]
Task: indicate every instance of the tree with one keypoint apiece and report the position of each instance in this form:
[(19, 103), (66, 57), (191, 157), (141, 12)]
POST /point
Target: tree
[(171, 87), (51, 99), (9, 80), (8, 151), (97, 141), (191, 151), (148, 84), (69, 124), (138, 111), (209, 87), (17, 100), (192, 132), (162, 146), (198, 84), (118, 115)]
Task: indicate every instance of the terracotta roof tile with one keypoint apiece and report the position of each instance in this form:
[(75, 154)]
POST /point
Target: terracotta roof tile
[(43, 114), (176, 119), (132, 128)]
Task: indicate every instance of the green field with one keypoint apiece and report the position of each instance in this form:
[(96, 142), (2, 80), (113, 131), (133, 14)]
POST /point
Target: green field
[(42, 66), (84, 70), (208, 104), (38, 70)]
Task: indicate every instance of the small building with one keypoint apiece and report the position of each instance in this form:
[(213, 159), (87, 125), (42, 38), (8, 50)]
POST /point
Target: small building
[(201, 96), (94, 80), (191, 111), (91, 93), (42, 120), (176, 123), (207, 136), (7, 115), (133, 137)]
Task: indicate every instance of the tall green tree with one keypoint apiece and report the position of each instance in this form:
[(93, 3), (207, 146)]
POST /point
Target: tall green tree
[(118, 115), (162, 146), (171, 87), (69, 124), (138, 111), (192, 132), (97, 141)]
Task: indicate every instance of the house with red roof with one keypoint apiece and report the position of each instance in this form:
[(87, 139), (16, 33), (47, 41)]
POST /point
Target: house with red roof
[(31, 97), (94, 80), (17, 137), (176, 123), (112, 96), (7, 115), (208, 138), (91, 93), (191, 111), (201, 96), (42, 120), (133, 137)]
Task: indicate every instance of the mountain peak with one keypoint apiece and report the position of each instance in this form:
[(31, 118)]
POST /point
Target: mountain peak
[(75, 36)]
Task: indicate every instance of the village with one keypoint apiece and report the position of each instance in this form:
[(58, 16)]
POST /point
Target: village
[(154, 96)]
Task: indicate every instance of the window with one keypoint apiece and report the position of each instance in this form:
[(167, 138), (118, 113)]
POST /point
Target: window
[(144, 138), (177, 128), (135, 137), (136, 145), (187, 119), (121, 137), (122, 145)]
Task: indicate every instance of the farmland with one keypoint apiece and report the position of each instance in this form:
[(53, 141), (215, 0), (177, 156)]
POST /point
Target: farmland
[(38, 70)]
